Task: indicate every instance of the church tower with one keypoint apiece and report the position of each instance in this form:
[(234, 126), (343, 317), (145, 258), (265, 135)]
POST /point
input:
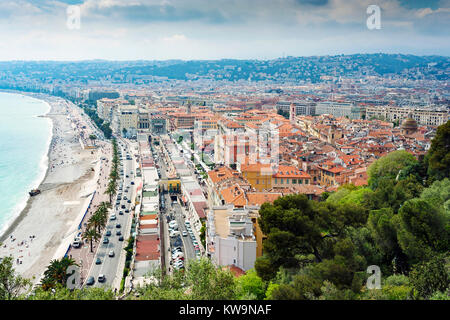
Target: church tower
[(292, 113)]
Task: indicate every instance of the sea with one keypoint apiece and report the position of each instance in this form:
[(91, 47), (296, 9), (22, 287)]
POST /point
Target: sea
[(24, 141)]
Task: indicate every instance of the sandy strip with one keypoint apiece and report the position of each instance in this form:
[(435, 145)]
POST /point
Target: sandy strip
[(50, 217)]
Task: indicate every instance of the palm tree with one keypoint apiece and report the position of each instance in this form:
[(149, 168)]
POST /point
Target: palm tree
[(57, 272), (91, 235), (93, 137), (97, 221), (111, 190)]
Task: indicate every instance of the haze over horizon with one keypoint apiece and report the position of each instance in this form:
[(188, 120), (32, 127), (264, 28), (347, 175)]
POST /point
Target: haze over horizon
[(224, 29)]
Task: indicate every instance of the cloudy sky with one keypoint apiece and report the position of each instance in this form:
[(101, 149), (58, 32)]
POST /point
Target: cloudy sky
[(215, 29)]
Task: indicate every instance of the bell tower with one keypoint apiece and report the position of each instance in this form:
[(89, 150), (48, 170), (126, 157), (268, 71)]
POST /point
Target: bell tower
[(292, 113)]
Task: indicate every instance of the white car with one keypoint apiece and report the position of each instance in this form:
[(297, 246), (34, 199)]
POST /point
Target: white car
[(177, 255), (174, 234)]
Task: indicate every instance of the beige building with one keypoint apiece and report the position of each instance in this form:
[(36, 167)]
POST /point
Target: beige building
[(105, 107), (230, 238), (125, 117), (422, 116)]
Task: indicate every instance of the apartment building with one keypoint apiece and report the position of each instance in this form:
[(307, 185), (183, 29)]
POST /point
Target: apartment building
[(340, 109), (229, 237), (422, 116), (304, 108), (125, 117)]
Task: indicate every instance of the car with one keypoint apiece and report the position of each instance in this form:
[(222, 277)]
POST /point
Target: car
[(131, 172), (127, 176), (123, 206), (129, 201), (121, 238), (195, 243), (113, 217), (176, 249), (101, 278), (90, 281), (121, 212), (125, 198), (132, 182), (118, 225), (177, 255), (118, 233), (111, 253), (187, 223), (127, 211), (108, 233), (117, 202), (184, 234), (105, 241), (98, 261)]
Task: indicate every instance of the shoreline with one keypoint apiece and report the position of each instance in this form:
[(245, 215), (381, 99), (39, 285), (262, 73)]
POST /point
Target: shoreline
[(48, 220), (19, 211)]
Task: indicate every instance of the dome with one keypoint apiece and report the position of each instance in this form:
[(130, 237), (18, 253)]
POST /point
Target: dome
[(410, 124)]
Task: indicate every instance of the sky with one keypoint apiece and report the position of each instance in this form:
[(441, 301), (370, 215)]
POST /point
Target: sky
[(217, 29)]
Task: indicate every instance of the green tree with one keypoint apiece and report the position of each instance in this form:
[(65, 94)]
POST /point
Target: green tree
[(438, 157), (389, 166), (12, 285), (91, 234), (438, 194), (56, 272), (430, 277), (421, 230), (303, 287), (207, 282), (111, 189), (250, 286)]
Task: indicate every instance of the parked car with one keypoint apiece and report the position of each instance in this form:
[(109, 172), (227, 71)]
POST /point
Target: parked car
[(98, 261), (108, 233), (90, 281), (121, 238), (101, 278), (118, 233), (113, 217), (111, 253), (118, 226), (121, 212), (105, 241), (184, 234)]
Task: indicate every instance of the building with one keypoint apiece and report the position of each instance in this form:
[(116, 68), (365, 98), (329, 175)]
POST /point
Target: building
[(158, 124), (125, 117), (422, 116), (340, 109), (289, 176), (258, 175), (143, 120), (304, 108), (229, 237)]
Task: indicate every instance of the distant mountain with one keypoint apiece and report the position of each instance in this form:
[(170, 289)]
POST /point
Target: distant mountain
[(312, 68)]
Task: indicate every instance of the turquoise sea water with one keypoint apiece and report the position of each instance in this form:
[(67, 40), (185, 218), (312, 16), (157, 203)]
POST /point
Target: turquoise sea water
[(24, 142)]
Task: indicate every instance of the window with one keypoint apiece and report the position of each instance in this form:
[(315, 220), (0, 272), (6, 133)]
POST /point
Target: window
[(276, 180), (281, 181), (287, 181), (294, 181), (257, 181)]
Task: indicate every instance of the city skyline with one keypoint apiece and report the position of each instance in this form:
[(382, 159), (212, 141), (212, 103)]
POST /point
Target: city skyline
[(199, 30)]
